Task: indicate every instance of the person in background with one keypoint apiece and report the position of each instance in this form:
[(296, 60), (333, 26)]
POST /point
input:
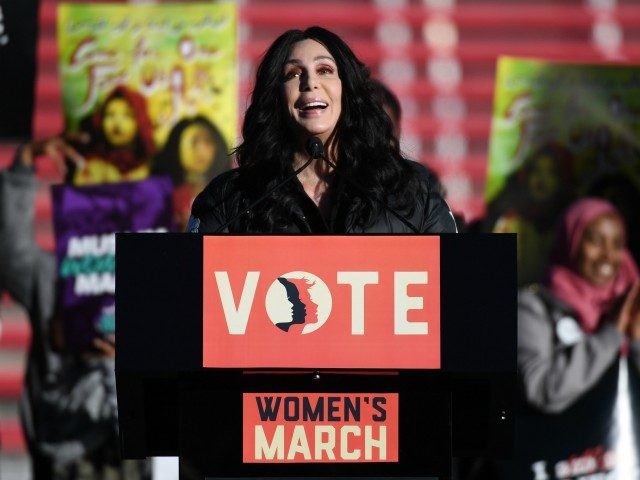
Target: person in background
[(68, 406), (530, 203), (310, 85), (195, 152), (393, 109), (390, 104), (572, 327)]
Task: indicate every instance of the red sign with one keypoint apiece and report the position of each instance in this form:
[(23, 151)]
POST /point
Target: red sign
[(319, 427), (321, 302)]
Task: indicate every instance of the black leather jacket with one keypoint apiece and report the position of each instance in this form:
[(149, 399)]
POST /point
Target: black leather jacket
[(220, 202)]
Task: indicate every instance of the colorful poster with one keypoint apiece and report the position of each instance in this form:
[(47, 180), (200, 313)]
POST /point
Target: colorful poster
[(320, 427), (321, 302), (559, 132), (154, 89), (85, 219)]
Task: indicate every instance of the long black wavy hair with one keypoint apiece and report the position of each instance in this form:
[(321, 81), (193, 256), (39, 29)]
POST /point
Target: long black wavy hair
[(366, 149)]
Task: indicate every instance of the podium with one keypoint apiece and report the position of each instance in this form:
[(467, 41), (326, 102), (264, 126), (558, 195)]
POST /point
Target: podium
[(316, 356)]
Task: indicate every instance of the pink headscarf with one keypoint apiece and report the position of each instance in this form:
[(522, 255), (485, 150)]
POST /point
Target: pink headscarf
[(588, 300)]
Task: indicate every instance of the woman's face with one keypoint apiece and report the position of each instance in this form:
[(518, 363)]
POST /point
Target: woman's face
[(119, 123), (197, 149), (312, 89), (600, 253), (543, 179)]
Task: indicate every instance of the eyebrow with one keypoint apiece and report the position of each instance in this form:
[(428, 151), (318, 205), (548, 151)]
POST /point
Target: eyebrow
[(295, 61)]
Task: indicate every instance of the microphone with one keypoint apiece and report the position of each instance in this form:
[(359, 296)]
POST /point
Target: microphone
[(314, 148)]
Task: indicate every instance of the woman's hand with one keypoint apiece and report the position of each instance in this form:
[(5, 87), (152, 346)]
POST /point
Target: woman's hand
[(633, 301), (106, 347), (58, 149), (624, 315)]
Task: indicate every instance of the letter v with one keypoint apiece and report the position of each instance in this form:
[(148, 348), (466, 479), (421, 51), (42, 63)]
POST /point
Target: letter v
[(237, 318)]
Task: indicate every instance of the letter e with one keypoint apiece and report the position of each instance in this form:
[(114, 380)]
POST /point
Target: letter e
[(404, 303)]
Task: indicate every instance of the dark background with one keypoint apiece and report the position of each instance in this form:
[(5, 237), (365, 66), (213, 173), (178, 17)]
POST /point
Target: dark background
[(18, 32)]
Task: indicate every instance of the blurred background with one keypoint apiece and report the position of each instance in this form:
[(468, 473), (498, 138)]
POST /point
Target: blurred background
[(437, 56)]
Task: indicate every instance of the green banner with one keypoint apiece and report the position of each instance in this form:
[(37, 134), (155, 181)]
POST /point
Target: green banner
[(560, 132)]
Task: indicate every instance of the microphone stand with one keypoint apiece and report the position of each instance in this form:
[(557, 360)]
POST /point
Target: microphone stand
[(313, 155)]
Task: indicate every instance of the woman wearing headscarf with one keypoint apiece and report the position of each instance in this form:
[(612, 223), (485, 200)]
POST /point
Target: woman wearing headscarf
[(573, 327)]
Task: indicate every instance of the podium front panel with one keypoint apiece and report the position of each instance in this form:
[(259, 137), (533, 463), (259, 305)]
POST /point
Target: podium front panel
[(171, 404), (211, 433)]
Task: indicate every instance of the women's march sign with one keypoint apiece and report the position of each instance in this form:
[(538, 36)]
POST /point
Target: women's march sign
[(560, 132), (319, 427), (85, 222)]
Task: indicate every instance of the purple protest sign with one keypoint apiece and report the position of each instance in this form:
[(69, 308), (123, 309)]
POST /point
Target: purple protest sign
[(85, 221)]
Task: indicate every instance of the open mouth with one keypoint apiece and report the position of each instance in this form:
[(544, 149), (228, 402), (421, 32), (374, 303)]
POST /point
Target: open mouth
[(311, 106), (605, 270)]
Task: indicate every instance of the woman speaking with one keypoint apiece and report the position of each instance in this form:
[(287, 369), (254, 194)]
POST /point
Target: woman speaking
[(318, 153)]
